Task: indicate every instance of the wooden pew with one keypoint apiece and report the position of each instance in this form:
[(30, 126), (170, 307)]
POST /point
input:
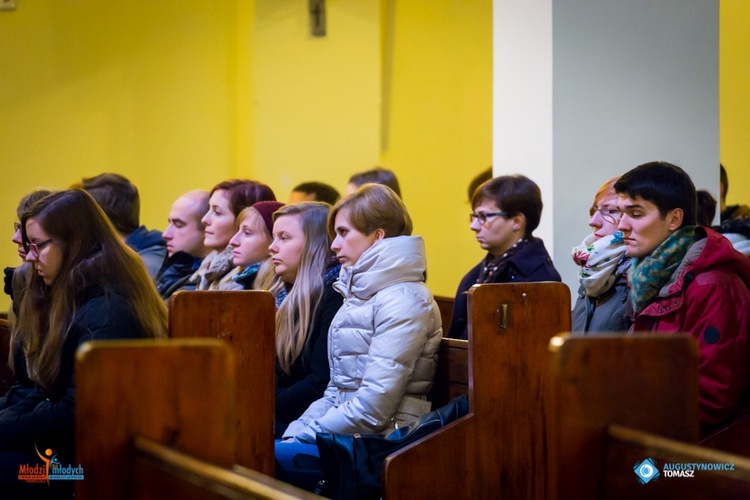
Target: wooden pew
[(245, 319), (733, 436), (6, 374), (617, 400), (499, 449), (156, 419), (445, 304), (452, 374), (161, 472)]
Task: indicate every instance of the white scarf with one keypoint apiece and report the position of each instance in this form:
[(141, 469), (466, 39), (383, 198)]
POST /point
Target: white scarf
[(598, 260)]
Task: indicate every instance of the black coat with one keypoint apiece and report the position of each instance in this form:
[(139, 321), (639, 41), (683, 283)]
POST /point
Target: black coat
[(175, 273), (530, 263), (31, 416), (310, 373)]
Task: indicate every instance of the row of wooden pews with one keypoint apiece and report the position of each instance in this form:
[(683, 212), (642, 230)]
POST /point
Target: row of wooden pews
[(550, 416)]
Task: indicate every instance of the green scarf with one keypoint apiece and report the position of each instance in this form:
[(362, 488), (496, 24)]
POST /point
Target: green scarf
[(648, 275)]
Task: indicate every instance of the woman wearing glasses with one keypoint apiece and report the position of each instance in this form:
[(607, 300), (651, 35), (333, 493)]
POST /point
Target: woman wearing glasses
[(603, 298), (507, 209), (87, 285)]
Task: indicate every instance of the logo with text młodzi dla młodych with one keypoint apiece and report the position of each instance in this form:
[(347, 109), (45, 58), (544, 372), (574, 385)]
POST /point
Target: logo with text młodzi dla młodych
[(49, 470)]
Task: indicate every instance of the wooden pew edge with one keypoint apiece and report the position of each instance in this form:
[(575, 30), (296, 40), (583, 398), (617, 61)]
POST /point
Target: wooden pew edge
[(683, 452), (426, 440), (239, 479), (431, 445)]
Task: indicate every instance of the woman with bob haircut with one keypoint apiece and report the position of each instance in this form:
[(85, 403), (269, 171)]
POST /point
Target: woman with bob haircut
[(227, 200), (506, 210), (305, 269), (88, 285), (383, 342), (603, 303)]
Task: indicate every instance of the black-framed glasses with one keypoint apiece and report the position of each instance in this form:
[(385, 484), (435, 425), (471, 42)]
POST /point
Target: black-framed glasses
[(483, 216), (16, 227), (35, 248), (611, 215)]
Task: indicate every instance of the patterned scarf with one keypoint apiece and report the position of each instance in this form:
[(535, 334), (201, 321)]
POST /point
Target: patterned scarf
[(493, 266), (648, 275), (247, 275), (599, 261)]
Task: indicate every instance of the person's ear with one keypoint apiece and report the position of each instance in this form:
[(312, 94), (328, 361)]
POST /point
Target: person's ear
[(378, 235), (675, 218), (519, 222)]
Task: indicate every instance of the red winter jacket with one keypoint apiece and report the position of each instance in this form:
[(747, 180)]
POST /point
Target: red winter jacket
[(708, 297)]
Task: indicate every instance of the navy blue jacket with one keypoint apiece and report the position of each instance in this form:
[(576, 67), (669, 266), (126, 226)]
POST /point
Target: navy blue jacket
[(530, 263)]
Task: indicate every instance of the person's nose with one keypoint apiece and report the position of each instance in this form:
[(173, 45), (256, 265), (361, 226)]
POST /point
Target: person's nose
[(235, 241), (476, 224), (31, 257), (336, 244), (167, 234), (596, 220), (272, 248)]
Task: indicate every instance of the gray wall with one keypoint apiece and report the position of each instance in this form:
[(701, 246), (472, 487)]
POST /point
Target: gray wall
[(633, 81)]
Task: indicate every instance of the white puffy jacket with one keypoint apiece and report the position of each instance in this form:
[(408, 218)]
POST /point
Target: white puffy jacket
[(382, 345)]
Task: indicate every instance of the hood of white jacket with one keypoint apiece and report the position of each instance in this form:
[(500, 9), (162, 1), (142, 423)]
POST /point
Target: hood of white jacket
[(389, 261)]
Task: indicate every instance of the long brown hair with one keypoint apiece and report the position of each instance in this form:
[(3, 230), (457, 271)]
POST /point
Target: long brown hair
[(93, 255), (299, 307)]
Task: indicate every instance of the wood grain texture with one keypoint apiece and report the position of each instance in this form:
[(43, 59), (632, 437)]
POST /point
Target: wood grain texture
[(245, 319), (644, 382), (177, 392)]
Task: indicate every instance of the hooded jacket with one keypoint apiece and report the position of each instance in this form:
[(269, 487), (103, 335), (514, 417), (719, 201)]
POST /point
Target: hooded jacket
[(708, 297), (382, 345), (150, 246)]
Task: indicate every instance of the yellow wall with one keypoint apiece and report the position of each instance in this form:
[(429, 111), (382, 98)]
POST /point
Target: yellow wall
[(734, 99), (440, 125), (157, 91), (316, 100)]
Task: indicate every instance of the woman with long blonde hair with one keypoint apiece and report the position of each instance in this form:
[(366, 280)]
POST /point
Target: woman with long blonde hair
[(304, 263), (87, 285)]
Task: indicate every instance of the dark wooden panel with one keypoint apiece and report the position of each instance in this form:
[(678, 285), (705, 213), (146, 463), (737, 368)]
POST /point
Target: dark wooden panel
[(644, 382), (177, 392), (245, 319)]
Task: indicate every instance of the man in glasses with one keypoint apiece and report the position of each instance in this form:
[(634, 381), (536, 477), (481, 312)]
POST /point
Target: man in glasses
[(506, 210), (687, 278)]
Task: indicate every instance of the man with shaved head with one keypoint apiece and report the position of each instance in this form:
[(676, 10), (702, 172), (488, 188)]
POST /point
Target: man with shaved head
[(184, 237)]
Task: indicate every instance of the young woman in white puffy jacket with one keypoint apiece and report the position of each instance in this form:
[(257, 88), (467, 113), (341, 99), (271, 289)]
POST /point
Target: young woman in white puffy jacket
[(383, 342)]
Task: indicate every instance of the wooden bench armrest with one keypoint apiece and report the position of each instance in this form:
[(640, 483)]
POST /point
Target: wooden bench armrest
[(431, 467), (222, 482)]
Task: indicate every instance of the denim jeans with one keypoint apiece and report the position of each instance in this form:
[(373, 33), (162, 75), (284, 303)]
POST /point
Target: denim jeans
[(298, 464)]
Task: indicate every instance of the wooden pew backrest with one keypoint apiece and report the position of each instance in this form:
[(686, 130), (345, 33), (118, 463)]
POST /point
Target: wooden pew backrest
[(445, 304), (644, 382), (245, 319), (452, 374), (499, 449), (176, 392)]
